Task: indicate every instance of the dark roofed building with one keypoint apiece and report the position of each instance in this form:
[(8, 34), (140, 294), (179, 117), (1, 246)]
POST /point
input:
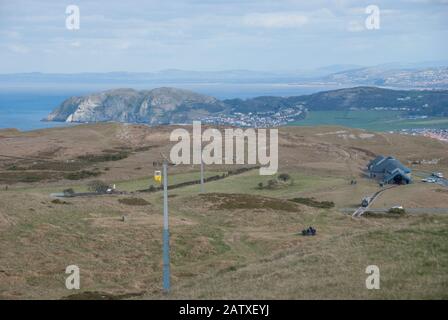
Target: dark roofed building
[(389, 170)]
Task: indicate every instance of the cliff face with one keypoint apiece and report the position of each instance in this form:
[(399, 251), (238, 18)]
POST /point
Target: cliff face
[(157, 106)]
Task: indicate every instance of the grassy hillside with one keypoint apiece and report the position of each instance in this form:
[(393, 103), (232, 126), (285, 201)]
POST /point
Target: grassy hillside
[(236, 241), (371, 120), (423, 102)]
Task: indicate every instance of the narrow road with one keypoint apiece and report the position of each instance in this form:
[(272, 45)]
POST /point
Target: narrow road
[(426, 174), (408, 210), (360, 211)]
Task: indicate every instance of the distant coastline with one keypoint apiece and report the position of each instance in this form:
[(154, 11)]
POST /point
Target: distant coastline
[(25, 110)]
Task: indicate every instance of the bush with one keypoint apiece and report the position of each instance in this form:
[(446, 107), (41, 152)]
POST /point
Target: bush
[(284, 177), (311, 202), (93, 158), (396, 211), (57, 201), (272, 183), (31, 178), (69, 192), (97, 186), (134, 201), (81, 175)]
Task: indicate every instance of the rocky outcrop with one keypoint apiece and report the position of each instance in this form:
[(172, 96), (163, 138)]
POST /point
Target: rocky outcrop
[(157, 106)]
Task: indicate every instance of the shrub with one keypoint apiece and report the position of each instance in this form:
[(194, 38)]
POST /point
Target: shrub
[(31, 178), (97, 186), (93, 158), (81, 175), (57, 201), (396, 211), (311, 202), (272, 183), (69, 192), (284, 177), (134, 201)]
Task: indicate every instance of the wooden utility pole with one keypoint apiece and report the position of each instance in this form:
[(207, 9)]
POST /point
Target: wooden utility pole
[(166, 232)]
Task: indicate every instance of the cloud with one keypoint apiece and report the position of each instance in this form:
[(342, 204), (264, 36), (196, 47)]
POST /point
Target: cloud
[(18, 48), (355, 26), (10, 34), (75, 44), (275, 20), (215, 34)]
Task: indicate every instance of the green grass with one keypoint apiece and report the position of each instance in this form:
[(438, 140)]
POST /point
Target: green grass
[(122, 185), (373, 120), (145, 182), (235, 246), (247, 183)]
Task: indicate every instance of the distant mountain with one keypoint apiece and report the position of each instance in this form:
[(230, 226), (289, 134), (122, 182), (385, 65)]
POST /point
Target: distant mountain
[(176, 106), (435, 78), (157, 106), (424, 75), (430, 102)]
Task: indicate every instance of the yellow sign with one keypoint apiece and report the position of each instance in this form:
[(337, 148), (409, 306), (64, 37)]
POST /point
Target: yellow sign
[(158, 176)]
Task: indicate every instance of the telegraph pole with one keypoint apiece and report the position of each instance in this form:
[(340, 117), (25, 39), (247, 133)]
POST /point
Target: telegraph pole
[(166, 232)]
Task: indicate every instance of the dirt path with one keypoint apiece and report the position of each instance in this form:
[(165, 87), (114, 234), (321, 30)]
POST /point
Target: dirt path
[(360, 211)]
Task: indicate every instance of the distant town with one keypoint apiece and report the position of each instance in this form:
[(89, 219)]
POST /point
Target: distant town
[(439, 134), (259, 119)]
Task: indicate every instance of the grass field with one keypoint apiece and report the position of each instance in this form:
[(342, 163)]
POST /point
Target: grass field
[(369, 120), (235, 241)]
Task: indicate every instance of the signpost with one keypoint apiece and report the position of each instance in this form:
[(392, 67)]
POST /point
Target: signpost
[(158, 177)]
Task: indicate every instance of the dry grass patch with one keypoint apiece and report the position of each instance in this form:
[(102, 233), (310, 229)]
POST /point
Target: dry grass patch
[(96, 295), (233, 201), (311, 202), (134, 201)]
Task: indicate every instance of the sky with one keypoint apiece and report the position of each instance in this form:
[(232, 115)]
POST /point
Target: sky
[(206, 35)]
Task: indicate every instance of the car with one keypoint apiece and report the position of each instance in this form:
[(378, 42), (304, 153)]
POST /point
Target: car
[(397, 207), (437, 174), (365, 202)]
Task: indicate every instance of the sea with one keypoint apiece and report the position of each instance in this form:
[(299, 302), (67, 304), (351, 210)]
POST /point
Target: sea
[(24, 109)]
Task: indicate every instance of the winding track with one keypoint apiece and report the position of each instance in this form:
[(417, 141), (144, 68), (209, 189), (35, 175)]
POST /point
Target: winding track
[(360, 211)]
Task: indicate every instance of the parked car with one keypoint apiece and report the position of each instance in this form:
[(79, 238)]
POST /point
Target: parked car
[(437, 175), (365, 202)]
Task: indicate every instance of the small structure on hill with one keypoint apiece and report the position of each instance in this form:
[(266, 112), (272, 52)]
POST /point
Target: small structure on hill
[(389, 170)]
